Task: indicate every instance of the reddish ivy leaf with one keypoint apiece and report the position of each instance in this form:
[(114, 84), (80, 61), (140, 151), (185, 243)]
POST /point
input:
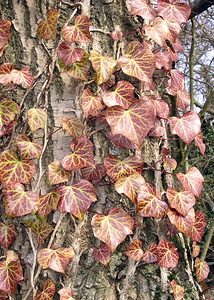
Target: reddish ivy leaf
[(56, 260), (170, 163), (174, 11), (180, 126), (177, 290), (120, 141), (5, 73), (40, 228), (65, 294), (14, 170), (149, 203), (22, 77), (102, 254), (96, 173), (122, 96), (192, 181), (199, 142), (76, 198), (9, 109), (103, 65), (18, 202), (113, 228), (182, 99), (28, 149), (10, 273), (6, 130), (139, 61), (167, 254), (81, 157), (5, 26), (48, 202), (133, 123), (202, 269), (91, 105), (198, 227), (48, 291), (134, 250), (80, 69), (129, 186), (79, 32), (37, 118), (195, 250), (151, 254), (116, 168), (7, 234), (182, 201), (56, 174), (73, 126), (68, 54), (47, 29), (143, 9), (183, 224)]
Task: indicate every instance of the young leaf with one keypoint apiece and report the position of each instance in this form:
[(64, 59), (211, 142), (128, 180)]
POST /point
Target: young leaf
[(73, 126), (76, 198), (122, 96), (151, 254), (143, 9), (103, 65), (174, 11), (198, 227), (182, 201), (149, 203), (48, 202), (102, 254), (9, 109), (18, 202), (40, 228), (202, 269), (66, 294), (113, 228), (139, 61), (10, 273), (47, 29), (81, 157), (91, 105), (192, 181), (96, 173), (37, 118), (180, 126), (79, 32), (199, 142), (183, 224), (178, 291), (22, 77), (7, 234), (133, 123), (56, 174), (116, 168), (4, 33), (80, 69), (68, 54), (195, 250), (129, 186), (167, 254), (28, 149), (14, 170), (134, 250), (48, 291), (56, 260)]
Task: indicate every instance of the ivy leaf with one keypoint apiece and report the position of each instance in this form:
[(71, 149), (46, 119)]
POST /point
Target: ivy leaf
[(10, 273), (149, 203), (177, 290), (28, 149), (65, 294), (18, 202), (120, 141), (56, 174), (68, 54), (180, 126), (151, 254), (91, 105), (199, 142), (80, 69), (6, 130), (143, 9), (47, 29), (7, 234), (113, 228), (182, 99), (40, 228), (76, 198), (5, 26), (134, 250), (192, 181), (37, 118), (139, 61), (96, 173), (48, 291), (202, 269), (73, 126), (195, 250), (167, 254), (170, 163), (133, 123), (183, 224), (56, 260), (198, 227), (22, 77), (102, 254), (174, 11), (122, 96), (81, 157), (182, 201), (48, 202), (79, 32), (9, 109), (162, 108), (129, 186), (117, 167), (5, 73), (14, 170)]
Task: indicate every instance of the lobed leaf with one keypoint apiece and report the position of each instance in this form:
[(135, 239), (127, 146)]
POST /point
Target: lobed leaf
[(47, 29), (5, 73), (80, 69), (73, 126), (37, 118), (68, 54), (183, 224), (9, 109), (120, 141), (40, 228), (202, 269), (65, 294), (102, 254), (5, 26), (96, 173), (183, 99), (79, 32), (48, 291), (143, 9), (199, 142), (174, 11), (197, 229), (151, 254), (22, 77), (177, 290), (48, 203), (28, 149), (167, 254), (91, 105), (56, 173), (134, 250), (7, 234)]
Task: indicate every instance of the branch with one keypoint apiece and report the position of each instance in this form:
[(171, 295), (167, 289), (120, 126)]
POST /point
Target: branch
[(199, 6), (207, 242)]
